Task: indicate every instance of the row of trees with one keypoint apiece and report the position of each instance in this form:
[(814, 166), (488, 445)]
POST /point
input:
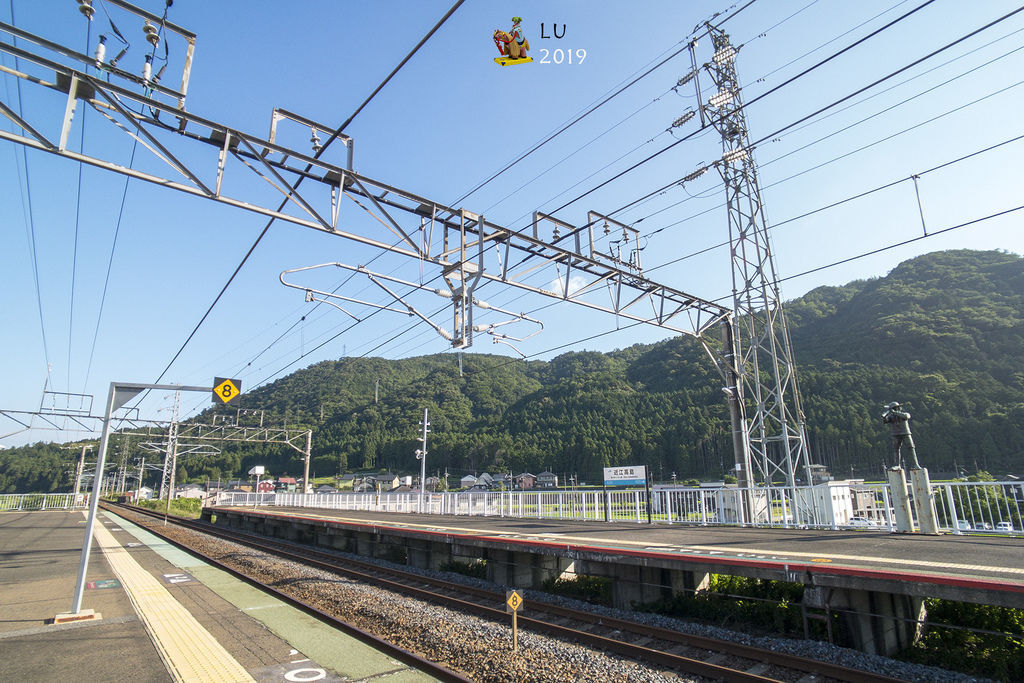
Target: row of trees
[(943, 332)]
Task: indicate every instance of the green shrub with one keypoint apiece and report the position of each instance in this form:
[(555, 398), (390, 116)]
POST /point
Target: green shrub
[(595, 589), (742, 603), (995, 652), (476, 569), (183, 507)]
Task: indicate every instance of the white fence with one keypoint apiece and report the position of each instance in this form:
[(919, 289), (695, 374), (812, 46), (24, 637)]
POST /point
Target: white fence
[(41, 501), (962, 507)]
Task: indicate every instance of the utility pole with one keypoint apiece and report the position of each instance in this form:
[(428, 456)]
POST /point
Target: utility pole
[(142, 469), (78, 471), (421, 455), (171, 458)]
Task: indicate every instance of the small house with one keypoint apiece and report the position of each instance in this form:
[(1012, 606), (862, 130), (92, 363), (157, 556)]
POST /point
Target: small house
[(286, 484), (524, 481), (547, 480), (467, 481), (190, 491)]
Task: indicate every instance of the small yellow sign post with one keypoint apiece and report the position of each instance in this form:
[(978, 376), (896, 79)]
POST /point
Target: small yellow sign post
[(226, 390), (513, 603)]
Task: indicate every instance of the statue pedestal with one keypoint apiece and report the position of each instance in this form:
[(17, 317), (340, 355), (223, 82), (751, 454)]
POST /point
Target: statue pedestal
[(924, 501), (900, 499)]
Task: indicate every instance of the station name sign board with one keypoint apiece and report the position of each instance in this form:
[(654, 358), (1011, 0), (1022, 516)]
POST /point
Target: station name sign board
[(631, 475)]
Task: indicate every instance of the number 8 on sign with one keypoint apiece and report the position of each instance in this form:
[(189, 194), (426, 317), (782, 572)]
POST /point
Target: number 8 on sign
[(226, 390)]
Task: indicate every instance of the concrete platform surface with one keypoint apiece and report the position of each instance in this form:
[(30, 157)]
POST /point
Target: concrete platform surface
[(145, 638)]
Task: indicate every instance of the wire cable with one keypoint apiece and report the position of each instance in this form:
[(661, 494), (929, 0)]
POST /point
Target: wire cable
[(31, 223), (78, 220), (851, 198), (334, 136), (821, 139)]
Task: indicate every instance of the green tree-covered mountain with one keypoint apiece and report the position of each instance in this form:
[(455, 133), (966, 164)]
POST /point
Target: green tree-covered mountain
[(943, 332)]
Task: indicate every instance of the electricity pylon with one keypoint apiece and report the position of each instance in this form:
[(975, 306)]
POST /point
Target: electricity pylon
[(770, 394)]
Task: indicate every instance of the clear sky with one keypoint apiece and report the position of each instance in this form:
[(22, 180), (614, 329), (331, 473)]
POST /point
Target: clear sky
[(448, 121)]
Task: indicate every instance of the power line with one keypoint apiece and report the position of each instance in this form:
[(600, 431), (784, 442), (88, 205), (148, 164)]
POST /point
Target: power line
[(579, 118), (934, 233), (837, 54), (570, 124), (110, 265), (31, 222), (78, 219), (842, 156), (851, 198), (334, 136), (891, 75)]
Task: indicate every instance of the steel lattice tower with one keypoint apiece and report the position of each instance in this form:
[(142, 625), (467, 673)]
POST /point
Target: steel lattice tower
[(770, 395)]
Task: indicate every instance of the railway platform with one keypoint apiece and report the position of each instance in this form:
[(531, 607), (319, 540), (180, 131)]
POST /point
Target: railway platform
[(878, 581), (163, 615)]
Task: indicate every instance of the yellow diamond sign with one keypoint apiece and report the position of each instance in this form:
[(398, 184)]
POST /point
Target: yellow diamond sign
[(226, 390), (513, 601)]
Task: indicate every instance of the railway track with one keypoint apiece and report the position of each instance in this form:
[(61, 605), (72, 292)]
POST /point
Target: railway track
[(689, 655)]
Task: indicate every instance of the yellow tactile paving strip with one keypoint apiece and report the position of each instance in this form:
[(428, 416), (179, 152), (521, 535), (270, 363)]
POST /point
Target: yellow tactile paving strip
[(188, 650)]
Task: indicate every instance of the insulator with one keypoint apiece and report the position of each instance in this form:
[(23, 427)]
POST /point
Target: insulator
[(101, 50), (556, 234), (607, 228), (315, 140), (695, 174), (152, 33), (726, 54), (122, 53), (147, 68), (684, 118), (86, 8), (685, 79), (734, 155), (720, 98), (159, 74)]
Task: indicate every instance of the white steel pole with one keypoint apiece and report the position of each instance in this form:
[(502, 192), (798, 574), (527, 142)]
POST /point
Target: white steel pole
[(93, 503), (423, 462)]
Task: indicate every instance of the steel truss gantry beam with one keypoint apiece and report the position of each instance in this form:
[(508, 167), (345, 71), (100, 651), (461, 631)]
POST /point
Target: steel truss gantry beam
[(755, 358), (770, 395), (462, 245)]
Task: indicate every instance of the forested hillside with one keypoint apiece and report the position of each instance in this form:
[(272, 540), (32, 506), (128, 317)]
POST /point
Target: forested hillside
[(943, 332)]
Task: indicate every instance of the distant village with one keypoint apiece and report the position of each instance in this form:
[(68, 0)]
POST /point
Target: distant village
[(364, 483)]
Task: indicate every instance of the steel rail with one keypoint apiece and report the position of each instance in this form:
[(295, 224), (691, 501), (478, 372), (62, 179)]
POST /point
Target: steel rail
[(325, 560), (404, 656)]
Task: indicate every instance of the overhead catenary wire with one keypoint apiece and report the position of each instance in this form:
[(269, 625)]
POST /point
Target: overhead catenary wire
[(600, 103), (859, 195), (33, 247), (334, 136)]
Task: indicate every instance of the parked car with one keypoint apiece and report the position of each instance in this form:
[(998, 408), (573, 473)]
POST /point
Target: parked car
[(963, 525), (983, 526), (862, 522), (1004, 526)]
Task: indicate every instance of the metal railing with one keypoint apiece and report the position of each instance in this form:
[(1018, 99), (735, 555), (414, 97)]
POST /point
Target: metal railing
[(10, 502), (962, 507)]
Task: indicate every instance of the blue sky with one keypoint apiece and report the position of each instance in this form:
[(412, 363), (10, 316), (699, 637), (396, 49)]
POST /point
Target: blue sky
[(448, 121)]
